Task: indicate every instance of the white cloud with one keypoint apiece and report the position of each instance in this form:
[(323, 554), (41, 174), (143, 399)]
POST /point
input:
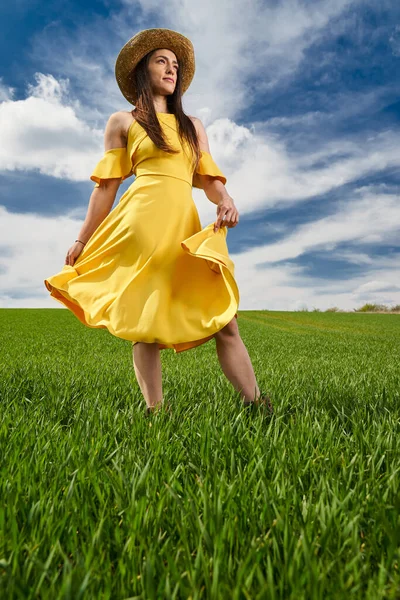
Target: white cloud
[(262, 173), (48, 88), (240, 50), (288, 287), (369, 219), (35, 247), (6, 92), (378, 285), (43, 133)]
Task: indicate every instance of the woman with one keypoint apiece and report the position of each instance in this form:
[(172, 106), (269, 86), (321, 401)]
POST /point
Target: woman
[(146, 270)]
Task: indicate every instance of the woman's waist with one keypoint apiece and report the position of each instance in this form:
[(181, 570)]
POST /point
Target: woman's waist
[(154, 186), (162, 178)]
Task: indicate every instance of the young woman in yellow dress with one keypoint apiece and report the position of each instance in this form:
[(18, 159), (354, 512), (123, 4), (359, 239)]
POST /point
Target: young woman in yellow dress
[(147, 270)]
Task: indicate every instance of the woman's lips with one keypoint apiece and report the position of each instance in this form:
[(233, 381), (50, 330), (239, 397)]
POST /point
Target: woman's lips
[(169, 79)]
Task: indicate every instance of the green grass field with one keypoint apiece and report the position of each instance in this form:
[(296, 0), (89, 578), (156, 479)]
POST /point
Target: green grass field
[(211, 501)]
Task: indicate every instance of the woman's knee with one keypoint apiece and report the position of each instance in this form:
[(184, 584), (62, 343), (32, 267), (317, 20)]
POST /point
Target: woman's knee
[(145, 348), (229, 331)]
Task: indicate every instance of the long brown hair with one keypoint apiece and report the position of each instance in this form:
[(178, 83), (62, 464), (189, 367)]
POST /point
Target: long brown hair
[(146, 116)]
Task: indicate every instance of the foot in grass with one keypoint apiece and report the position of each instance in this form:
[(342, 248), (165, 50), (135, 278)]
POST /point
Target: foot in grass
[(263, 401), (157, 408)]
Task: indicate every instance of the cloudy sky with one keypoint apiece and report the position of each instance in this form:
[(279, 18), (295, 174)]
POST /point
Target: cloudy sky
[(300, 99)]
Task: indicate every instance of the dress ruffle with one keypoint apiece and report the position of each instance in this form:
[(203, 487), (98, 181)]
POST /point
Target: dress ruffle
[(207, 166), (116, 163), (72, 288), (212, 247)]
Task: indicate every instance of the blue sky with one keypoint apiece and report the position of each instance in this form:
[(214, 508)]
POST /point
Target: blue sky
[(300, 100)]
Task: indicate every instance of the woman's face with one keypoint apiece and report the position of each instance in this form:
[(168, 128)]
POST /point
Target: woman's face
[(163, 71)]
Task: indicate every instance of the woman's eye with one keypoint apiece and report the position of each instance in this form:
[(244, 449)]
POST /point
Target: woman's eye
[(163, 60)]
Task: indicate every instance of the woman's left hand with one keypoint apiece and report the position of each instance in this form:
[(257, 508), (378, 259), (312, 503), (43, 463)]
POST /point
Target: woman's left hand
[(227, 214)]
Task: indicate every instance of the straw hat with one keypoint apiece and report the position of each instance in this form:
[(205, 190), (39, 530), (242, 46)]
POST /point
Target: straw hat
[(142, 43)]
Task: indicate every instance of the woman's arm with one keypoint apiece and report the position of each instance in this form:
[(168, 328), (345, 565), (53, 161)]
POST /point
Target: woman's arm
[(215, 190), (103, 197)]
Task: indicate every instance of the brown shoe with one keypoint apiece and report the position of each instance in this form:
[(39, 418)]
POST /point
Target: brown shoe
[(263, 400)]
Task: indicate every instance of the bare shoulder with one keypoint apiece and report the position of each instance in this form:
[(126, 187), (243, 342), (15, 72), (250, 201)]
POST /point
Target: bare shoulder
[(117, 127), (201, 133), (196, 122), (120, 121)]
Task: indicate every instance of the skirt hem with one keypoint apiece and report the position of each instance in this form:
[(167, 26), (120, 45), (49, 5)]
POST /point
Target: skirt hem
[(205, 245)]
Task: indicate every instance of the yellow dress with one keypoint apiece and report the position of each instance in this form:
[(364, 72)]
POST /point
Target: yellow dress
[(149, 272)]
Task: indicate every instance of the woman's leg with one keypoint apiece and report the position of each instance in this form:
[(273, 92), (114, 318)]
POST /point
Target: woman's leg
[(235, 361), (147, 365)]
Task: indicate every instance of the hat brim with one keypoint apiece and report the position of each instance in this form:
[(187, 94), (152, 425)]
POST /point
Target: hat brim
[(142, 43)]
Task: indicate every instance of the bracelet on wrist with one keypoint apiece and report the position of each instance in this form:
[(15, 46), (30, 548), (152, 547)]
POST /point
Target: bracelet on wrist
[(84, 243)]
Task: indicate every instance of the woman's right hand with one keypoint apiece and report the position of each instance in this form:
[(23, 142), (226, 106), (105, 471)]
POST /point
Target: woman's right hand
[(73, 252)]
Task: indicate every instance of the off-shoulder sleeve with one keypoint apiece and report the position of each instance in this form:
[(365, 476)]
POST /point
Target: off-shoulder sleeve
[(114, 164), (207, 166)]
